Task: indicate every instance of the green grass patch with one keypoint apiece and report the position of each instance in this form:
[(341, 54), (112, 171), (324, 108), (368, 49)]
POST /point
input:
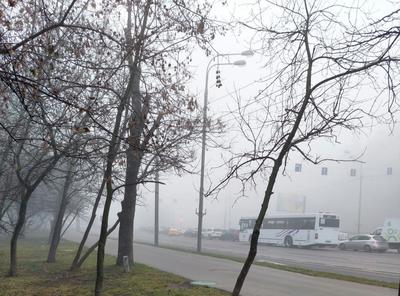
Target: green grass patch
[(38, 278), (310, 272)]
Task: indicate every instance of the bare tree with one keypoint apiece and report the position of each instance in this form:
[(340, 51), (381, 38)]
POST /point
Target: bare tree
[(319, 63), (9, 44), (155, 36), (159, 93)]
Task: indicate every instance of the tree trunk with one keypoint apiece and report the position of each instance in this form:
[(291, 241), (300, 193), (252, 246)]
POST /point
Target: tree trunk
[(28, 190), (133, 161), (271, 182), (65, 229), (16, 233), (104, 223), (256, 231), (108, 174), (74, 264), (125, 235), (128, 204), (113, 148), (3, 198), (5, 195), (94, 246), (56, 235)]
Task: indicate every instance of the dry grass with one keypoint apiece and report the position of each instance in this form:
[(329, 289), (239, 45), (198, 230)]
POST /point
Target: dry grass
[(36, 277)]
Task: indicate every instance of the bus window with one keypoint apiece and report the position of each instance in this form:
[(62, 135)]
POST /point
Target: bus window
[(309, 223), (301, 223), (268, 224), (280, 224), (329, 222), (295, 223)]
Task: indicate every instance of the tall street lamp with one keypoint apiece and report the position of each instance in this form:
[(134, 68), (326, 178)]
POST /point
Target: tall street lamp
[(200, 212)]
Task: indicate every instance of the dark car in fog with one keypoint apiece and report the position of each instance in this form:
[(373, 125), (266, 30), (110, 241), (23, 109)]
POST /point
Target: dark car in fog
[(230, 235), (190, 233)]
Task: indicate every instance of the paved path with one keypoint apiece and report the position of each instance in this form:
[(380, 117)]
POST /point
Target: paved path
[(261, 281)]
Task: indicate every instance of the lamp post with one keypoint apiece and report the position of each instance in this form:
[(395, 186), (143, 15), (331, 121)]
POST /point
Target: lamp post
[(360, 187), (200, 212)]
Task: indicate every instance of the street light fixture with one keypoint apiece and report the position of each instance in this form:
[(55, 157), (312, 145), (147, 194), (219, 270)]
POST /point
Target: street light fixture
[(239, 63), (247, 53), (200, 212)]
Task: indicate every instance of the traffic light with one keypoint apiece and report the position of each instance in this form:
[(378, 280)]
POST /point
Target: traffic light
[(218, 78)]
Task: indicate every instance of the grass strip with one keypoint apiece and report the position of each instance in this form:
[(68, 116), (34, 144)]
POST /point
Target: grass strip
[(36, 277), (301, 270)]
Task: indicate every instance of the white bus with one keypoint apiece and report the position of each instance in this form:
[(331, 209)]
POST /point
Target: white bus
[(321, 229)]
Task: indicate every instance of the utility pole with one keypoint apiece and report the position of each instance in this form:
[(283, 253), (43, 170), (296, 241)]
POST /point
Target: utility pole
[(359, 200), (200, 214)]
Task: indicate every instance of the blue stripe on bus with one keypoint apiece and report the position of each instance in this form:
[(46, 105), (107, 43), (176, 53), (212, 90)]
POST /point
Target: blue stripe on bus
[(286, 232)]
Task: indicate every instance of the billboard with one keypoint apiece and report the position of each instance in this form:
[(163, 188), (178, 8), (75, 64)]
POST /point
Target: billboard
[(290, 203)]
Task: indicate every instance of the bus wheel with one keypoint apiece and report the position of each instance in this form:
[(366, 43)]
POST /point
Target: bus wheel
[(288, 242)]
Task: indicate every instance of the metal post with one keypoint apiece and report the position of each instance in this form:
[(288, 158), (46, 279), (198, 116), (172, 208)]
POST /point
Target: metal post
[(200, 213), (203, 156), (125, 262), (359, 201), (156, 208)]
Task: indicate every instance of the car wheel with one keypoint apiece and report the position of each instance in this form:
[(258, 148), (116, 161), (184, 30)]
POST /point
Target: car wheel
[(288, 242), (367, 248), (342, 247)]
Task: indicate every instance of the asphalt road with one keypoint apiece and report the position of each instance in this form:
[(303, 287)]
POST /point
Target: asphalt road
[(261, 281), (379, 266)]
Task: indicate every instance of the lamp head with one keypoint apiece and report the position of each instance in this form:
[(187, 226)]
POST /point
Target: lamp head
[(239, 63), (247, 53)]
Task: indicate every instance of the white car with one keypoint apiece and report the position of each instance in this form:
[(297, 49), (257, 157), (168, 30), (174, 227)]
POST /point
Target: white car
[(212, 233)]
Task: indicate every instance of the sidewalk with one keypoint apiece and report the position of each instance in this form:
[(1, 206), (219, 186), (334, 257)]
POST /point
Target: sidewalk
[(261, 281)]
